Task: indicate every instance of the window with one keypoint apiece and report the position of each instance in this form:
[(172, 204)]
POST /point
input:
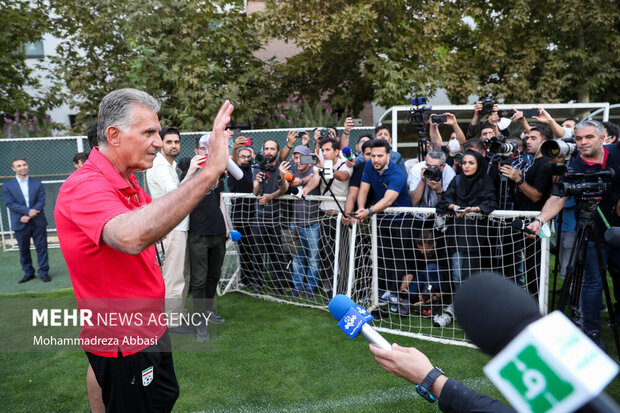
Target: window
[(34, 50)]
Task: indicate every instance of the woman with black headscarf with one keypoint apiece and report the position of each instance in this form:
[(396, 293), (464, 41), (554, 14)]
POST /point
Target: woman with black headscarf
[(471, 192)]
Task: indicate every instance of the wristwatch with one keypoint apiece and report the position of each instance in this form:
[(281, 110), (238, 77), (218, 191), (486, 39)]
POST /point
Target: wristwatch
[(520, 181), (370, 212), (424, 388)]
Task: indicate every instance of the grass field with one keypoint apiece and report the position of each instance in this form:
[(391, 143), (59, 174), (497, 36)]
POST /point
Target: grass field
[(268, 357)]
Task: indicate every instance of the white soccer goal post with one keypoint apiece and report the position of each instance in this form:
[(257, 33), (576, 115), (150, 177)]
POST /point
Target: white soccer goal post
[(404, 264)]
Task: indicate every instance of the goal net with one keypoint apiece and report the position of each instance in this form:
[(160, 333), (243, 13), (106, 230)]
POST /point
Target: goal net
[(404, 264)]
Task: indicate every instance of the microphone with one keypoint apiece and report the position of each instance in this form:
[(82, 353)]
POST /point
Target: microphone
[(519, 225), (540, 363), (294, 190), (347, 153), (612, 235), (353, 318), (234, 235), (232, 167)]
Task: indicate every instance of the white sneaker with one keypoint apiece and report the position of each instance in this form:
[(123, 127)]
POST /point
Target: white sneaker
[(444, 319)]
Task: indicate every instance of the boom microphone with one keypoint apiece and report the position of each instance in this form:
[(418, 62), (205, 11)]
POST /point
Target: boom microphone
[(347, 153), (232, 167), (540, 364), (353, 318)]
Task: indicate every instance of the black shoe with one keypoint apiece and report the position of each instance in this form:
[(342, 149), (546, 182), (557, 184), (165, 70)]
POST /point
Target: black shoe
[(214, 318), (26, 278), (46, 278), (595, 336), (202, 333), (181, 330)]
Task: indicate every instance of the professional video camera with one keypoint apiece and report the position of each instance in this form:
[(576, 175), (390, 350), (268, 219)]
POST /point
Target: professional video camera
[(261, 162), (432, 173), (487, 106), (558, 147), (588, 185), (418, 117)]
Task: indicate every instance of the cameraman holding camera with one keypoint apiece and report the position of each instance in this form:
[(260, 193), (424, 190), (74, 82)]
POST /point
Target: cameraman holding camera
[(593, 157), (532, 188), (429, 179)]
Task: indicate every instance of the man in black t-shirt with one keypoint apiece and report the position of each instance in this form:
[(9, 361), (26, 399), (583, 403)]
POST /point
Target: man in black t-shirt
[(266, 230), (242, 211), (208, 231), (593, 157), (532, 189)]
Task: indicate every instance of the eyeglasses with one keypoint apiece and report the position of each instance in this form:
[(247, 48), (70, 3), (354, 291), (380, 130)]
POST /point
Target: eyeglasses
[(244, 157)]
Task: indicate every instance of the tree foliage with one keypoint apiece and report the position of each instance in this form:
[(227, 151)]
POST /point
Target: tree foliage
[(533, 51), (384, 51), (21, 23), (190, 54), (356, 51)]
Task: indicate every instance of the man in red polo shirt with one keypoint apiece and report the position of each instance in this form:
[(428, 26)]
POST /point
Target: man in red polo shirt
[(107, 226)]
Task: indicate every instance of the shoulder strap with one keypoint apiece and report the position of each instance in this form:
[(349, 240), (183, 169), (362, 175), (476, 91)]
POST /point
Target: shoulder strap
[(331, 181)]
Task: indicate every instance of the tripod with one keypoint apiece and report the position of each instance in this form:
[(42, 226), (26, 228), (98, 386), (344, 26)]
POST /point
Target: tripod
[(573, 281)]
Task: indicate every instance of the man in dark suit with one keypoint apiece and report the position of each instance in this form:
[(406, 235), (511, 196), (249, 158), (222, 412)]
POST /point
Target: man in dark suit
[(25, 198)]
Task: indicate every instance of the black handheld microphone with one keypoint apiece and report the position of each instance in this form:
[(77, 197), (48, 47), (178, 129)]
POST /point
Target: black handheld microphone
[(519, 225), (493, 310), (612, 235)]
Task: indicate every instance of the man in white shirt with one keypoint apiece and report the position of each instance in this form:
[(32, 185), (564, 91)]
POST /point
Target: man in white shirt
[(429, 179), (162, 179), (339, 187)]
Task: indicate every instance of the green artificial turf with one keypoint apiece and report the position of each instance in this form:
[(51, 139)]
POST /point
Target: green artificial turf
[(11, 272), (266, 357)]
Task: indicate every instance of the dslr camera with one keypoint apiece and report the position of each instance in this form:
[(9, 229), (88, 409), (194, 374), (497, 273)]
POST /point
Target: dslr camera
[(432, 173), (323, 133), (262, 163), (487, 106), (558, 147), (498, 146)]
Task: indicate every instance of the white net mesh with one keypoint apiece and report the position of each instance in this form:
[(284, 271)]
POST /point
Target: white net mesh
[(404, 264)]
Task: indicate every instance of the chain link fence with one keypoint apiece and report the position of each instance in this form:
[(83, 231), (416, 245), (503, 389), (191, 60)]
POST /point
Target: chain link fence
[(51, 161)]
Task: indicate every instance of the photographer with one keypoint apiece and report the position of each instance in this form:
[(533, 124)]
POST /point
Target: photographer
[(336, 186), (489, 107), (457, 137), (266, 230), (306, 261), (593, 157), (532, 188), (429, 179), (293, 137), (559, 132)]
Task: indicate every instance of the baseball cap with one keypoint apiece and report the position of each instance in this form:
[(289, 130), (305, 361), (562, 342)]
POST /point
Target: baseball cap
[(302, 150)]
